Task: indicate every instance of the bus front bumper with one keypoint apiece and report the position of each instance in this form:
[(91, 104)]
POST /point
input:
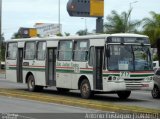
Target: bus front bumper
[(122, 85)]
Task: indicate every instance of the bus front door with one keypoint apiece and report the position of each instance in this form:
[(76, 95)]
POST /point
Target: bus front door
[(51, 66), (19, 65), (98, 61)]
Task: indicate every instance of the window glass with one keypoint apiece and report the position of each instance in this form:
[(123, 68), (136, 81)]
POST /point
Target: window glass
[(12, 51), (129, 57), (30, 50), (65, 50), (41, 50), (80, 51), (91, 56)]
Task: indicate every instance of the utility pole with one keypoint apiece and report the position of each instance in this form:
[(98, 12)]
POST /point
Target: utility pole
[(130, 6), (59, 15), (99, 25)]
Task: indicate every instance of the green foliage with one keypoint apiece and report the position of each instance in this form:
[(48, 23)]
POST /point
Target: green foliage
[(2, 48), (67, 34), (16, 36), (59, 34), (151, 27), (121, 23), (82, 32), (155, 57)]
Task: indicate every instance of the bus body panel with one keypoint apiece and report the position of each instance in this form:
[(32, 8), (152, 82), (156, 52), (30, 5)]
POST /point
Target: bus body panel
[(21, 44), (63, 75), (11, 70), (97, 42), (40, 73), (52, 44)]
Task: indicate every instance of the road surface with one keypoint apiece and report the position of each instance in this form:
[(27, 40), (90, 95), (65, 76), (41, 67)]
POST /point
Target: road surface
[(137, 98)]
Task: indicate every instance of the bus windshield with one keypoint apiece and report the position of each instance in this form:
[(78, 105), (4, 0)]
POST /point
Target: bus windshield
[(129, 57)]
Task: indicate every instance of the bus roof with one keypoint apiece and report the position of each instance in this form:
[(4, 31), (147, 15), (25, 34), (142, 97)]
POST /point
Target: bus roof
[(96, 36)]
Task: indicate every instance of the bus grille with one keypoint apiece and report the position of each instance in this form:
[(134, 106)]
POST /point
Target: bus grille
[(133, 83)]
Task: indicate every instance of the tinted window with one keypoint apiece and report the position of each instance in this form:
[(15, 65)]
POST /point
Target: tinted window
[(41, 50), (29, 50), (65, 51), (12, 51)]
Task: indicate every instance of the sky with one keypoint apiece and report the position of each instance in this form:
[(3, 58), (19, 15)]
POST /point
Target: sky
[(25, 13)]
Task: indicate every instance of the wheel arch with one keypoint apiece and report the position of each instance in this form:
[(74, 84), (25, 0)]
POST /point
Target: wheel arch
[(28, 74), (82, 77)]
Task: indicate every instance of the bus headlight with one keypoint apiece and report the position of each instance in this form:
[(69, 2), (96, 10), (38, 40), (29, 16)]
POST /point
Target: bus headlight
[(114, 78), (151, 78), (148, 79)]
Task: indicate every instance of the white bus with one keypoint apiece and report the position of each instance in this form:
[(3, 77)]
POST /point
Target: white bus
[(108, 63)]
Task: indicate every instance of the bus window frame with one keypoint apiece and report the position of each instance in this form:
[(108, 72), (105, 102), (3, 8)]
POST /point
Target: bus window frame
[(59, 50), (87, 57), (7, 51), (35, 43), (36, 55)]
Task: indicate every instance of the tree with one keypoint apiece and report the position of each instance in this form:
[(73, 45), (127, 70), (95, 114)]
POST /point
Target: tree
[(59, 34), (16, 36), (2, 49), (67, 34), (82, 32), (152, 27), (121, 23)]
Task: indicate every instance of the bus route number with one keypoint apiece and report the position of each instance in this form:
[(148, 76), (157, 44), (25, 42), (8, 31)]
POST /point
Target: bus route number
[(124, 74)]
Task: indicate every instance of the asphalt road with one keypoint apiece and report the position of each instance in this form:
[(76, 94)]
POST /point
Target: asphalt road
[(137, 98), (15, 105), (14, 108)]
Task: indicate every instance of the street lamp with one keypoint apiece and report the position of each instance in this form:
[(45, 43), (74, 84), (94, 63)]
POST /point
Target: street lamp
[(130, 4), (85, 23)]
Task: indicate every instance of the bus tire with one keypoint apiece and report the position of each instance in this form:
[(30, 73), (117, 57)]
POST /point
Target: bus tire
[(123, 94), (85, 89), (31, 84), (155, 92)]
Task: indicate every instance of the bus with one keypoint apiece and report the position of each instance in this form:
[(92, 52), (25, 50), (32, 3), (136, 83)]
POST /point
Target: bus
[(107, 63)]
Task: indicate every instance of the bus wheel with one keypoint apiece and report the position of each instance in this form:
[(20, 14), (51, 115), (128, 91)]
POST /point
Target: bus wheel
[(31, 83), (155, 92), (85, 89), (123, 94)]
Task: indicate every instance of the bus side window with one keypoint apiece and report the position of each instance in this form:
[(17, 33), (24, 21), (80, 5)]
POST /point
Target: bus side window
[(41, 50), (29, 51), (91, 56), (80, 51), (65, 50), (11, 51)]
